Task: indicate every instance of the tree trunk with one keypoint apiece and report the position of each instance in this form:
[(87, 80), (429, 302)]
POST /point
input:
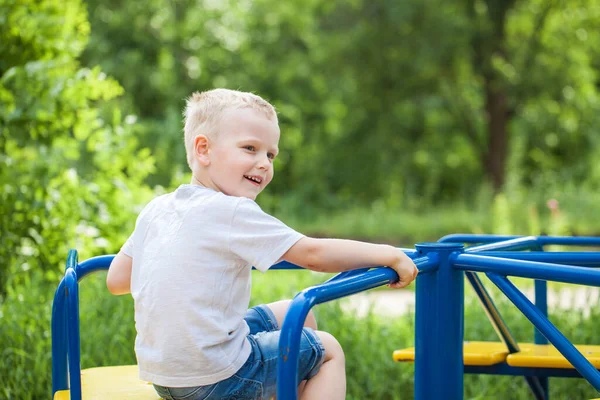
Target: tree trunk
[(497, 122)]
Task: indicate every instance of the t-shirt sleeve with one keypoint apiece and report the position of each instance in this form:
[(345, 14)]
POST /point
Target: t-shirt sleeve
[(258, 237), (128, 246)]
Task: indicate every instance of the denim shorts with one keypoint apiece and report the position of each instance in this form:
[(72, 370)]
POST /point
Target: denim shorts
[(257, 378)]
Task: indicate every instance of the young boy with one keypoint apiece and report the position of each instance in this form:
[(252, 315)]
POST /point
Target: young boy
[(188, 262)]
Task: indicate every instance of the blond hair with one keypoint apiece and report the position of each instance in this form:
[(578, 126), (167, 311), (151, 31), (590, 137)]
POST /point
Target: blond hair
[(203, 112)]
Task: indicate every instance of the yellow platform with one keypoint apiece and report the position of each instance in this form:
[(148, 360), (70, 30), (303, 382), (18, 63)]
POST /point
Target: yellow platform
[(474, 353), (530, 355), (546, 356), (116, 383)]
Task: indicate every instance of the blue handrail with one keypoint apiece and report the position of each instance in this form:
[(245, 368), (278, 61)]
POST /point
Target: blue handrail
[(65, 321), (428, 382), (291, 330), (528, 269)]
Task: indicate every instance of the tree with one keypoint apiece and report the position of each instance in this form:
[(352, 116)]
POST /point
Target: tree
[(405, 103), (70, 172)]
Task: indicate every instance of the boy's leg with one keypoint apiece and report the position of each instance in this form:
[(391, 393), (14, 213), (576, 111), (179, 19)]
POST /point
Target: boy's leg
[(330, 382), (280, 308)]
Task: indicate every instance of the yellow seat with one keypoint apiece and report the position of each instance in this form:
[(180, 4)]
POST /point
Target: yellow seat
[(474, 353), (546, 356), (530, 355), (116, 383)]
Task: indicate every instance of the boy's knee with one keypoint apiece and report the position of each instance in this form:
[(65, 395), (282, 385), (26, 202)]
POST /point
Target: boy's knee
[(333, 348), (311, 321)]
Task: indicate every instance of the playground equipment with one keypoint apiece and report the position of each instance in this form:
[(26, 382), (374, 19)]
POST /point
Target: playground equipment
[(439, 351)]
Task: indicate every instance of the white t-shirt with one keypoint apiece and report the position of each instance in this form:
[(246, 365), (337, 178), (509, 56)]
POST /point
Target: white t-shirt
[(192, 252)]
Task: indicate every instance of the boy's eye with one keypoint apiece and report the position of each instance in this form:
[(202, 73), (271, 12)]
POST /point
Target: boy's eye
[(250, 148), (271, 156)]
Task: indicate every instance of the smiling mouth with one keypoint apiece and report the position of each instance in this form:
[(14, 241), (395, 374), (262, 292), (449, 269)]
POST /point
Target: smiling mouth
[(254, 179)]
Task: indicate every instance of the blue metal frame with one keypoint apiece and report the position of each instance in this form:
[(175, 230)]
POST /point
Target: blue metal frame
[(66, 364), (65, 324), (291, 329), (438, 356), (439, 326), (538, 384), (439, 309), (559, 341)]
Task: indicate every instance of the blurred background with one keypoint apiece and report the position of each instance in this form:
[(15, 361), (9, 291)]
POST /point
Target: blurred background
[(401, 121)]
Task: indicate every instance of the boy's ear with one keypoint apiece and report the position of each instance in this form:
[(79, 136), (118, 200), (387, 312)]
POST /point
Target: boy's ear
[(201, 149)]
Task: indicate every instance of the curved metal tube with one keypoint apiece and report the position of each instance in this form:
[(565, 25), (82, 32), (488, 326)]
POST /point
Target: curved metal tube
[(521, 243), (543, 240), (93, 264), (59, 340), (289, 342), (72, 295), (577, 258), (409, 252), (527, 269)]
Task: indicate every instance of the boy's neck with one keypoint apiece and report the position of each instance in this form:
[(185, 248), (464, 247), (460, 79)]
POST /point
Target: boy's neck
[(196, 181)]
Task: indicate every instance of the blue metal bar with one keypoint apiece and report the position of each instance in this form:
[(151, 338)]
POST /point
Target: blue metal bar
[(543, 240), (73, 342), (347, 274), (291, 330), (562, 344), (289, 342), (439, 327), (541, 302), (71, 259), (412, 253), (581, 258), (59, 330), (528, 269), (409, 252), (537, 385), (474, 238), (492, 312), (284, 265), (522, 243), (59, 340), (505, 369), (569, 240), (100, 263), (432, 264)]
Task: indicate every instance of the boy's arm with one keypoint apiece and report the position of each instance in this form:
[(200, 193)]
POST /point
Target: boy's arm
[(118, 279), (338, 255)]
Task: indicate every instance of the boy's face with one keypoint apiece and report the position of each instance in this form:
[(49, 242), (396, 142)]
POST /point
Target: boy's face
[(241, 156)]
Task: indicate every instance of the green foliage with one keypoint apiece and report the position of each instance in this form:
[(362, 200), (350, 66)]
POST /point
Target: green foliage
[(378, 101), (68, 169), (386, 116), (25, 335)]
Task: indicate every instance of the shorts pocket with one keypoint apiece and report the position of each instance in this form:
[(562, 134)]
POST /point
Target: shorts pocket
[(243, 389), (191, 393)]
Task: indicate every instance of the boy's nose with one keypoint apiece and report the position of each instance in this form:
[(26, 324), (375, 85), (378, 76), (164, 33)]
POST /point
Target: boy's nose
[(264, 162)]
